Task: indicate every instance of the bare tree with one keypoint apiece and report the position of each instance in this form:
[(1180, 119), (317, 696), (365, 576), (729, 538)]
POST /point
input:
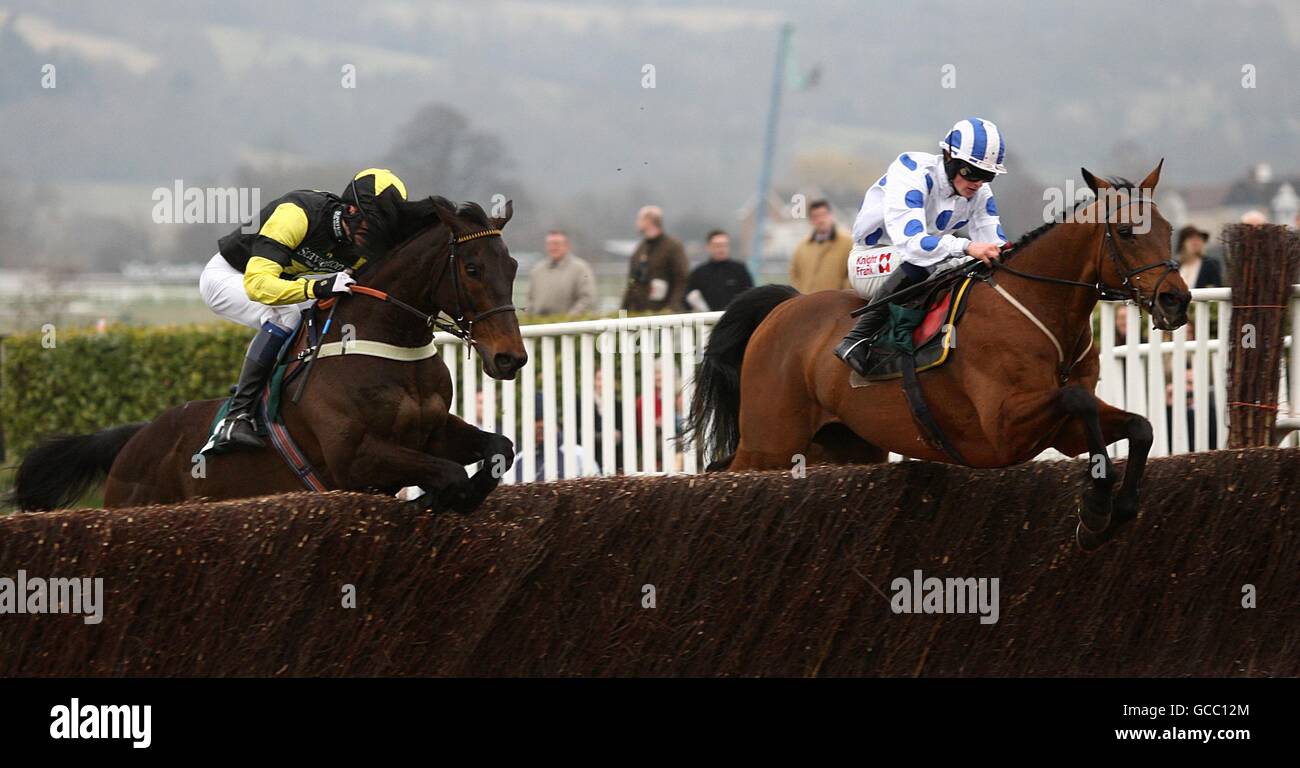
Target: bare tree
[(438, 151)]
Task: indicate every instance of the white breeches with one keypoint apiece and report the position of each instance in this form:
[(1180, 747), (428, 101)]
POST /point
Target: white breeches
[(222, 288)]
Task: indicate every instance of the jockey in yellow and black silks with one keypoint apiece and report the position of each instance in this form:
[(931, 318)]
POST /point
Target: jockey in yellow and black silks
[(306, 245)]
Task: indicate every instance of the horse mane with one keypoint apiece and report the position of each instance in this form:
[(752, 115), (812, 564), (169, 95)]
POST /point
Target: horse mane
[(474, 212), (416, 216), (1118, 182)]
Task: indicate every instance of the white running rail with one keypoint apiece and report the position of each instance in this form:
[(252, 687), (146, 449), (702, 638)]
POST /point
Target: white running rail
[(600, 409)]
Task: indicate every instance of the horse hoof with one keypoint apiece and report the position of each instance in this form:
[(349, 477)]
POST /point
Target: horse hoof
[(1087, 540), (1126, 509), (427, 503), (1093, 516)]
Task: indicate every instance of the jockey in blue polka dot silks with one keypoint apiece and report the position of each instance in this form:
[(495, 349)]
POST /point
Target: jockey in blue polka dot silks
[(910, 219)]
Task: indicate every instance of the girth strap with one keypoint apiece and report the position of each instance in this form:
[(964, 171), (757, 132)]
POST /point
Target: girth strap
[(289, 451), (921, 414)]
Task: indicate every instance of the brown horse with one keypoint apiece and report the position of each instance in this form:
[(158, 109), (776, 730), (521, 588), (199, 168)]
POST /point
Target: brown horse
[(364, 423), (769, 390)]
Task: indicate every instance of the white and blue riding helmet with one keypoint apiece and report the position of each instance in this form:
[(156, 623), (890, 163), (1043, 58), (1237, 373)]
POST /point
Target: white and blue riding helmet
[(978, 142)]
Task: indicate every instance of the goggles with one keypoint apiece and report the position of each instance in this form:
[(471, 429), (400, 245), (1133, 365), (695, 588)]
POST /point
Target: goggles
[(971, 173)]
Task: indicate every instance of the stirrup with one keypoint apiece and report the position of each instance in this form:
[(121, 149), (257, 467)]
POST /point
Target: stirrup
[(222, 438), (857, 355)]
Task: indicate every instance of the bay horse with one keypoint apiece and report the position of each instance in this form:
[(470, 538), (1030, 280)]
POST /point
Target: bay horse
[(364, 423), (769, 390)]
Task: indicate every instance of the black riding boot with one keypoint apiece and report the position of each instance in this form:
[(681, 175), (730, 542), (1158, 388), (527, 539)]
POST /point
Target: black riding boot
[(238, 430), (855, 350)]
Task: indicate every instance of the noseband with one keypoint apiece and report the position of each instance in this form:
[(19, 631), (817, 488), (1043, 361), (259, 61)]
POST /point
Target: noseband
[(1129, 288), (461, 327)]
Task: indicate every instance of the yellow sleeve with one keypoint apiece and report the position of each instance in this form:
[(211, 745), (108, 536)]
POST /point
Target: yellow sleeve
[(286, 226), (262, 283)]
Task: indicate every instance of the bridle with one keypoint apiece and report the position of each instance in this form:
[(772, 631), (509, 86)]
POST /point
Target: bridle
[(1128, 289), (460, 326)]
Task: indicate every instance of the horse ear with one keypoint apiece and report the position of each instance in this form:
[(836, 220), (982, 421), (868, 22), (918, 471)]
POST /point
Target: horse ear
[(1152, 178), (1093, 182), (500, 223)]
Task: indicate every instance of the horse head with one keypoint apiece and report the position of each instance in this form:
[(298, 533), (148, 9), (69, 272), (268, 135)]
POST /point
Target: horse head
[(1136, 248), (454, 260)]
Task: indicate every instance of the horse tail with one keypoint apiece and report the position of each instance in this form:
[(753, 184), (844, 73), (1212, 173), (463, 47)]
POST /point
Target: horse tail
[(714, 420), (63, 468)]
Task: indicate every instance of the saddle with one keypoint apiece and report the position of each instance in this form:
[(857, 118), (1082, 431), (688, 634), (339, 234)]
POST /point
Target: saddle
[(267, 415), (922, 328)]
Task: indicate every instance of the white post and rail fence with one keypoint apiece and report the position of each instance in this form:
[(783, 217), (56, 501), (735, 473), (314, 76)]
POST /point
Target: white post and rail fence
[(609, 396)]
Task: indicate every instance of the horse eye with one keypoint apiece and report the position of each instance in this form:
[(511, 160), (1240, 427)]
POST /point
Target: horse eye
[(471, 270), (1126, 232)]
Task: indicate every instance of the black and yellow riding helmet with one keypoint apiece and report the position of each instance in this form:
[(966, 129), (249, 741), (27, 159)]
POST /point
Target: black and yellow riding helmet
[(377, 194)]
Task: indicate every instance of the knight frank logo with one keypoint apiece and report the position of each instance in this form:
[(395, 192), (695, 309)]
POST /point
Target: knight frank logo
[(934, 595), (872, 264)]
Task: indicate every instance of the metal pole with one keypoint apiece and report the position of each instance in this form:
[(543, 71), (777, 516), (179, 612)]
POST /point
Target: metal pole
[(769, 149)]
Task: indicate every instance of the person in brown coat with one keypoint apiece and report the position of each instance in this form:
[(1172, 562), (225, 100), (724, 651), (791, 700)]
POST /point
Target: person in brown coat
[(657, 273), (821, 263)]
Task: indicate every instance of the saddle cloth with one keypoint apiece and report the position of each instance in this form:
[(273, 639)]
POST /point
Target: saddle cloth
[(269, 423), (932, 328)]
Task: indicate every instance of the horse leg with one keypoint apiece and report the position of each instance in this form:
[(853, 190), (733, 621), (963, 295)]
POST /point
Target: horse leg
[(466, 444), (1118, 425), (773, 443), (779, 448), (1095, 513), (374, 463), (721, 465), (1115, 425), (835, 443)]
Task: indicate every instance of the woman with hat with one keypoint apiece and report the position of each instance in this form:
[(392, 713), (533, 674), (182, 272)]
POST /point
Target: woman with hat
[(1196, 270)]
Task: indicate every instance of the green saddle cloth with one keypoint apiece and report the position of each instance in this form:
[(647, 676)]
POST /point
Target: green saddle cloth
[(272, 404), (898, 331)]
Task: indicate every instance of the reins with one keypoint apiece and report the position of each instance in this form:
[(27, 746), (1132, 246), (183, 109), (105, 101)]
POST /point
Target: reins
[(1129, 291), (460, 326), (1105, 292)]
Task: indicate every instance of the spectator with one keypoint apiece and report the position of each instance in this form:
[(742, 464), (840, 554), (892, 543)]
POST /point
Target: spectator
[(716, 282), (656, 277), (679, 423), (561, 283), (820, 263), (583, 465), (1212, 433), (617, 409), (1197, 270)]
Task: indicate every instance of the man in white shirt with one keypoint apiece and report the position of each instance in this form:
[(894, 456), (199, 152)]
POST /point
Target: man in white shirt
[(909, 221)]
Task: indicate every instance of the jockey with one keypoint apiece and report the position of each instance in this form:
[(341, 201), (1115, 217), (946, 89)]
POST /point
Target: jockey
[(299, 254), (909, 218)]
